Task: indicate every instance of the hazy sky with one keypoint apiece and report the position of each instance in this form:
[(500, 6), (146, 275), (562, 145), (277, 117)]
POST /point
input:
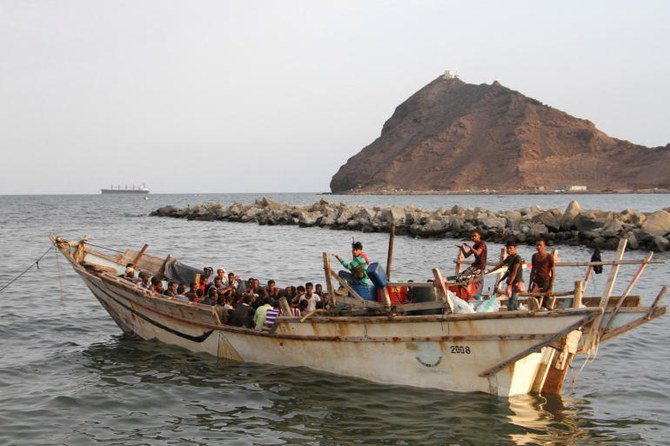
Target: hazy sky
[(274, 96)]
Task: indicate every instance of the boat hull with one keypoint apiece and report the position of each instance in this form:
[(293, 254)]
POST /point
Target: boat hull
[(462, 353)]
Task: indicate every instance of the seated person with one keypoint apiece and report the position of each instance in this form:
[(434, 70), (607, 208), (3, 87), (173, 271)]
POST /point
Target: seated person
[(181, 293), (302, 307), (358, 267), (156, 286), (192, 292), (243, 315), (261, 311), (272, 291), (207, 274), (144, 280), (220, 272), (272, 315), (171, 290), (129, 273), (211, 298), (300, 293), (311, 298)]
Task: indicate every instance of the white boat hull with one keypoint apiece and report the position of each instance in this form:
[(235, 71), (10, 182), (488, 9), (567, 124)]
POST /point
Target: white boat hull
[(461, 353)]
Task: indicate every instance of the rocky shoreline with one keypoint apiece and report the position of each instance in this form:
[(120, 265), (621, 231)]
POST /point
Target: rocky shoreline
[(573, 226)]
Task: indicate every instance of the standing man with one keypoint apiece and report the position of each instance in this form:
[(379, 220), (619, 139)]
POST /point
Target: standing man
[(542, 273), (478, 267), (514, 275)]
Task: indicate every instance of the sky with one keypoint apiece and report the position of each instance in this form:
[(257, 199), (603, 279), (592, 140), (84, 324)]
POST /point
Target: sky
[(216, 96)]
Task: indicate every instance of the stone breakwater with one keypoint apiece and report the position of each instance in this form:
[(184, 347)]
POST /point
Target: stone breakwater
[(574, 225)]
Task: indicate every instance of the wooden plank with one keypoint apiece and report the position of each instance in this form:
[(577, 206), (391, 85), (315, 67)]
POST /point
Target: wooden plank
[(420, 306), (137, 259), (284, 307), (579, 293), (629, 289), (329, 280), (614, 271), (595, 332), (502, 364), (439, 280), (389, 258), (362, 303), (658, 299)]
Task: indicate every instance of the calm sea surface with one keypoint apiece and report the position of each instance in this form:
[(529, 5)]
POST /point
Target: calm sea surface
[(68, 376)]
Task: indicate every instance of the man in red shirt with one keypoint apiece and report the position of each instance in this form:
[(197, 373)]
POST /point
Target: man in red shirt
[(478, 249)]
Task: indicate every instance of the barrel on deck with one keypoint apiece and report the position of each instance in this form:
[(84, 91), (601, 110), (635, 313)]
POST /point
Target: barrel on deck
[(367, 292), (424, 294)]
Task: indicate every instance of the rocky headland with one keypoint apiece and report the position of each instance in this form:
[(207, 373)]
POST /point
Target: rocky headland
[(573, 226), (452, 136)]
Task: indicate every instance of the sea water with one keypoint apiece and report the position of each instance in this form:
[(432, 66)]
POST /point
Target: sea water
[(68, 375)]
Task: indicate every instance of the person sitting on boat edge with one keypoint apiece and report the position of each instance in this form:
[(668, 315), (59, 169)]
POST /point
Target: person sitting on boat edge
[(514, 275), (261, 312), (272, 315), (358, 267), (542, 273)]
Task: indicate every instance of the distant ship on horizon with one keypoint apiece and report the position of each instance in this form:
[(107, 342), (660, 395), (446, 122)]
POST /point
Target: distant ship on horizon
[(141, 189)]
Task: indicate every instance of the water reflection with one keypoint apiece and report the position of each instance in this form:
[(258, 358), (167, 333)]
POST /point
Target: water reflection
[(191, 393)]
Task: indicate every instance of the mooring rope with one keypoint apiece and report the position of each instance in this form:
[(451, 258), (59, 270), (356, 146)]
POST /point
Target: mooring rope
[(35, 263)]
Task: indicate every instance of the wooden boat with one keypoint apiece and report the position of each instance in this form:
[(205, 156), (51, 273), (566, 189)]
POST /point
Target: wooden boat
[(504, 353)]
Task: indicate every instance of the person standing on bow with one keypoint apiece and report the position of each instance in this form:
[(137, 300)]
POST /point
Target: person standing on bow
[(357, 268), (478, 249), (542, 273)]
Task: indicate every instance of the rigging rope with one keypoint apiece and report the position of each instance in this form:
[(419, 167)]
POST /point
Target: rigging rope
[(105, 247), (35, 263)]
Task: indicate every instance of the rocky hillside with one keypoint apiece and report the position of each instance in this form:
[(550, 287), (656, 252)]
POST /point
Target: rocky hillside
[(454, 136)]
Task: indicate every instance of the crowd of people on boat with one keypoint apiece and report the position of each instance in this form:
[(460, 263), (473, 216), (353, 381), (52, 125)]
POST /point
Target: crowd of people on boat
[(247, 303), (241, 303)]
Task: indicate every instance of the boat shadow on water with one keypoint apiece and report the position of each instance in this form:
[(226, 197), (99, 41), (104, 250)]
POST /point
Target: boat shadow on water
[(199, 393)]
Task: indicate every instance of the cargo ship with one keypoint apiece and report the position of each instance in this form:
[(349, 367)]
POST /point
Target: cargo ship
[(141, 189)]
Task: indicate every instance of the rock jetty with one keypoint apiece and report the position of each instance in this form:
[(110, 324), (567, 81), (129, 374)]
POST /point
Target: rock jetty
[(573, 226)]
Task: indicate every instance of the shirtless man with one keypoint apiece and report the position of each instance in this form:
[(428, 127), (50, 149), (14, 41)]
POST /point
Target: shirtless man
[(543, 272)]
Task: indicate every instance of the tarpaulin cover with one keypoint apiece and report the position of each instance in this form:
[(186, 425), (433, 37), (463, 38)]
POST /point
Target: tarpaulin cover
[(180, 272)]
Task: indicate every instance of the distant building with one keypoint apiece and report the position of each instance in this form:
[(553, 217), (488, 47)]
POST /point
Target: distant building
[(448, 74), (571, 188)]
